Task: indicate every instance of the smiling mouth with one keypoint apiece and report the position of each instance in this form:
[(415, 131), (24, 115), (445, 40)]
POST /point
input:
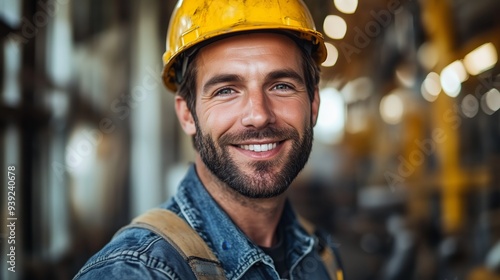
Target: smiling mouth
[(259, 147)]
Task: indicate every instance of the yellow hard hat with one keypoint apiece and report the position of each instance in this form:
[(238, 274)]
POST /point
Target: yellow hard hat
[(196, 21)]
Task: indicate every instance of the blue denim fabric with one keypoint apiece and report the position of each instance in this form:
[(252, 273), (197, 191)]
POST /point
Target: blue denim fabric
[(141, 254)]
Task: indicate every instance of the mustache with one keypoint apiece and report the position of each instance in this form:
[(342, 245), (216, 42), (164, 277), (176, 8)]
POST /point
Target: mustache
[(253, 134)]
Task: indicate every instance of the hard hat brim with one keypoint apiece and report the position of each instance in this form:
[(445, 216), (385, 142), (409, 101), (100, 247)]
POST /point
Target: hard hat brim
[(170, 58)]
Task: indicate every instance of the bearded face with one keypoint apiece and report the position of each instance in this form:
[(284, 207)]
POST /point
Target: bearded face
[(253, 114), (258, 179)]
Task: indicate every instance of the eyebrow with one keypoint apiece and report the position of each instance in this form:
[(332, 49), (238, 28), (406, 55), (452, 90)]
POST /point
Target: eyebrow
[(274, 75), (222, 78), (285, 73)]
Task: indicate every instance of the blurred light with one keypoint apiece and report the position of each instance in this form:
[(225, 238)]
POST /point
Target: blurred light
[(380, 196), (448, 247), (11, 143), (470, 106), (10, 12), (346, 6), (492, 98), (392, 108), (335, 27), (426, 95), (450, 82), (458, 67), (484, 106), (11, 88), (331, 119), (406, 75), (428, 55), (358, 119), (432, 84), (357, 90), (333, 55), (57, 102), (59, 50), (81, 151), (481, 59), (493, 257)]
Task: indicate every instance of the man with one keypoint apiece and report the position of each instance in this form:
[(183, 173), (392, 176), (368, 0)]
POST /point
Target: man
[(246, 78)]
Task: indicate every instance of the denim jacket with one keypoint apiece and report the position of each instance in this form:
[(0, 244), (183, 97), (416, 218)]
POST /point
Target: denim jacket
[(140, 254)]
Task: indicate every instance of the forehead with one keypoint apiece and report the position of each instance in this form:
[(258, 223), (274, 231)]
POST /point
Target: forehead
[(254, 46), (267, 39)]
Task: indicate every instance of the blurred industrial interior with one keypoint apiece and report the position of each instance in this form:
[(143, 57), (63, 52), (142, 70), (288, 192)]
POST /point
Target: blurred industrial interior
[(405, 167)]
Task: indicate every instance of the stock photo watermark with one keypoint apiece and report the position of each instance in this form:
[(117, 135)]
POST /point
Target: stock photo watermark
[(121, 107), (452, 117), (424, 149), (11, 218), (363, 37), (29, 28)]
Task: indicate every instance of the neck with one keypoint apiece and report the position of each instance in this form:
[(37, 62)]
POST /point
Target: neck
[(258, 218)]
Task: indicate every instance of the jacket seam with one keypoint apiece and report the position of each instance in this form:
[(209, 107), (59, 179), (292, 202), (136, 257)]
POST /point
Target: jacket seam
[(130, 255)]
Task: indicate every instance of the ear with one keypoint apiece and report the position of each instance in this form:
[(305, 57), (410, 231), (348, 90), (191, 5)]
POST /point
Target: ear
[(315, 106), (184, 115)]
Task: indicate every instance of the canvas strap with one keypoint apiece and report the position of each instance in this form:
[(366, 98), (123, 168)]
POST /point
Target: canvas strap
[(328, 255), (184, 239), (198, 255)]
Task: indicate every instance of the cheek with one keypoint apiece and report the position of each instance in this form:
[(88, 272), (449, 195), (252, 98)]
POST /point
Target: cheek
[(217, 120), (296, 114)]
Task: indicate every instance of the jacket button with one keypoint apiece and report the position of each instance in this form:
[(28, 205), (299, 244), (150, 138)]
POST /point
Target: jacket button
[(226, 245)]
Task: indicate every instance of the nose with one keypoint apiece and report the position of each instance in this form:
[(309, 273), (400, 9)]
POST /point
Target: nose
[(258, 111)]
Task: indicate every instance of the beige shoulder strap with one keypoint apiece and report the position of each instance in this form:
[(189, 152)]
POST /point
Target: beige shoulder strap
[(327, 255), (184, 239)]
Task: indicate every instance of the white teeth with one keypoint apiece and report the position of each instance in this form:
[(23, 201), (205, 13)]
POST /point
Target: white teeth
[(259, 148)]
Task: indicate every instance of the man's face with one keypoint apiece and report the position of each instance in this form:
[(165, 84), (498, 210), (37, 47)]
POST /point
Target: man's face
[(253, 115)]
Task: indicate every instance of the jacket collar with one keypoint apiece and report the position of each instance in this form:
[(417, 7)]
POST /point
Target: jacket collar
[(229, 244)]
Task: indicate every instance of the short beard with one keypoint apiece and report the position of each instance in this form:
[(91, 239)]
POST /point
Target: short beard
[(263, 183)]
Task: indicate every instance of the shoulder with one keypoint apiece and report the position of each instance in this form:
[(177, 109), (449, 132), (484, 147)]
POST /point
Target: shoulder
[(136, 254)]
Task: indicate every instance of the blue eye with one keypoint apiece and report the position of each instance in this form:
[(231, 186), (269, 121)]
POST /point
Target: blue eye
[(282, 87), (224, 91)]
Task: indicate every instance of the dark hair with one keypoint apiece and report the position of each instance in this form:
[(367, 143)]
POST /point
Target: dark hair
[(187, 88)]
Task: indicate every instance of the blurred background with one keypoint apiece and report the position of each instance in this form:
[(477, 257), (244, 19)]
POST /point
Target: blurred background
[(405, 170)]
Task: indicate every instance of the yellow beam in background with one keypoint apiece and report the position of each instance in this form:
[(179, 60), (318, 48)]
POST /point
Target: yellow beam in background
[(439, 24)]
